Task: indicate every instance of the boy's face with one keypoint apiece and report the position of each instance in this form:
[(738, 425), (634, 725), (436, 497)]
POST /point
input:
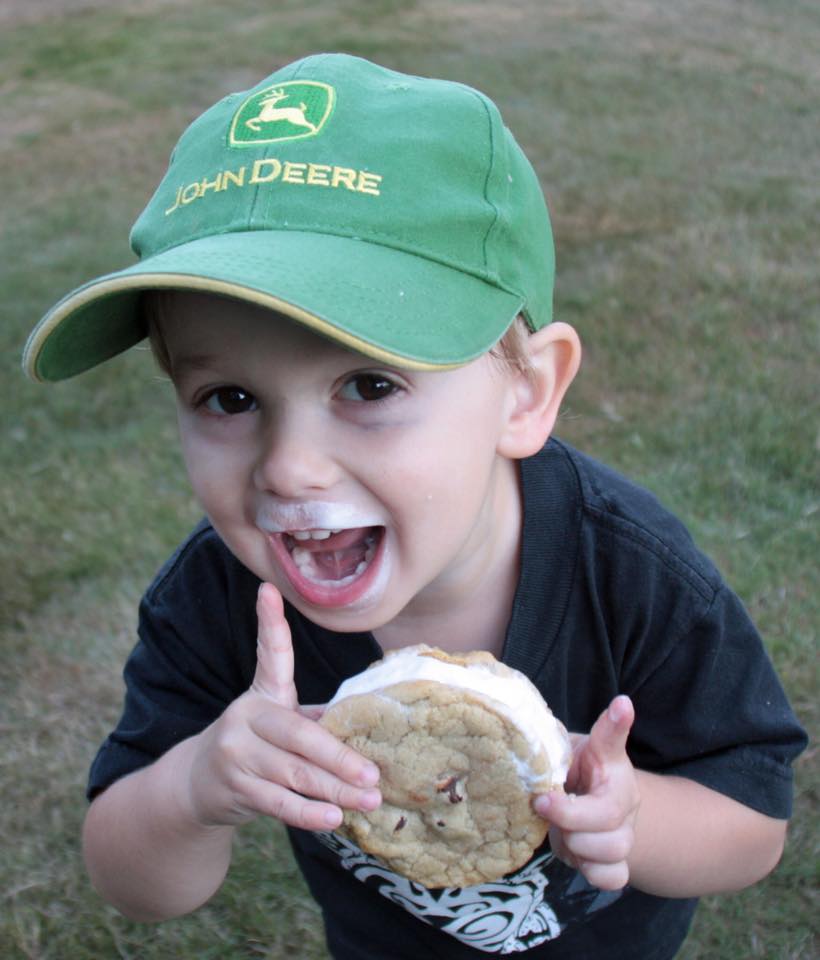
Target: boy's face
[(359, 489)]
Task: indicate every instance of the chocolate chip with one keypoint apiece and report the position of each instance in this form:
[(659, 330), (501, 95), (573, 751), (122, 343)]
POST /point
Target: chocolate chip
[(400, 825), (450, 786)]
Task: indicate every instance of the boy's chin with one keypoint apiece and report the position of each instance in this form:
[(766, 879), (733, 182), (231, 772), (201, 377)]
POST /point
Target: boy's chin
[(364, 616)]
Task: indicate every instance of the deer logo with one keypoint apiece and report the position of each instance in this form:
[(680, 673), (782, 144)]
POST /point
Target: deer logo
[(270, 113), (305, 106)]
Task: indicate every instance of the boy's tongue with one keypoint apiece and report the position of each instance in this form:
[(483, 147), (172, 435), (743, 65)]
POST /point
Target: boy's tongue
[(340, 554)]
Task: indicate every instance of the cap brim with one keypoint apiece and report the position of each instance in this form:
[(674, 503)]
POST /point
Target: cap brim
[(385, 303)]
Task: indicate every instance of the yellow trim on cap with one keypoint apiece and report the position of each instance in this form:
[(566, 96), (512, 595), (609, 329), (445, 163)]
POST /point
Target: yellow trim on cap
[(181, 281)]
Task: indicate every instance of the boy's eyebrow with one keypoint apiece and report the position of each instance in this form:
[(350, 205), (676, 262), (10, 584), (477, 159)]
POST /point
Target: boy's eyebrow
[(189, 365), (193, 362)]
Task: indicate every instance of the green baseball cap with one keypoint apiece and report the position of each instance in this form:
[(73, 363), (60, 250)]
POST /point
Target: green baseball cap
[(394, 214)]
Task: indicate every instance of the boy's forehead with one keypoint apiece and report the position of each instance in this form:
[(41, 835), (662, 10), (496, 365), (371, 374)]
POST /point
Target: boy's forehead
[(201, 327), (206, 333)]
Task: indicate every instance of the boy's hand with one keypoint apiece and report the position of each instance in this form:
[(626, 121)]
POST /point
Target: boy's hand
[(593, 824), (265, 755)]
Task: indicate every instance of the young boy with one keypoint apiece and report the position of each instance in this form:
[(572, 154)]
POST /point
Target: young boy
[(347, 274)]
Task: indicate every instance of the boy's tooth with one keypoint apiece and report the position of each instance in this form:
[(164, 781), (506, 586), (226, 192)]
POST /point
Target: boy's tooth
[(312, 534), (300, 556)]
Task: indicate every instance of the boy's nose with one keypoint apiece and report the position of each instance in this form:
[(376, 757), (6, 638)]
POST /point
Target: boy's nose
[(293, 461)]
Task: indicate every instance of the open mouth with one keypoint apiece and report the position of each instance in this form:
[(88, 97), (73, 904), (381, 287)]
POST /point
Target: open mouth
[(332, 556), (330, 567)]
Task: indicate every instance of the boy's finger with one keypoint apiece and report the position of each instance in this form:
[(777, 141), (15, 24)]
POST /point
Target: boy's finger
[(572, 813), (315, 782), (291, 808), (274, 650), (313, 711), (607, 739), (298, 738)]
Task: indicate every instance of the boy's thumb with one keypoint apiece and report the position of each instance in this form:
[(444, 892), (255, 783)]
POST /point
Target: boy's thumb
[(274, 650), (608, 737)]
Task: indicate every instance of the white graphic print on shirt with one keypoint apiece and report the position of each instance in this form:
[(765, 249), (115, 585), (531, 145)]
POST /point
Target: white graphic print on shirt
[(508, 916)]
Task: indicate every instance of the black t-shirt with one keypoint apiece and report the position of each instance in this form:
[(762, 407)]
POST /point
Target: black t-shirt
[(613, 597)]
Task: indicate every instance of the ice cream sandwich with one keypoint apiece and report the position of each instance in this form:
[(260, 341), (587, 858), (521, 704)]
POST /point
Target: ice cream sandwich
[(463, 743)]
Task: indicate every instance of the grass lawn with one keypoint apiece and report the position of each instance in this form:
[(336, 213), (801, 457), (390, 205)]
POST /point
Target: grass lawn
[(679, 147)]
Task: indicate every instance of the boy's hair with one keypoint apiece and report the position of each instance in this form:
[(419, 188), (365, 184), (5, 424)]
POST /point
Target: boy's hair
[(393, 214), (154, 306), (511, 350)]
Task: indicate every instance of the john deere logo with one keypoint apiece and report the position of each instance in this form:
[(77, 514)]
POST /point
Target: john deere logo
[(286, 111)]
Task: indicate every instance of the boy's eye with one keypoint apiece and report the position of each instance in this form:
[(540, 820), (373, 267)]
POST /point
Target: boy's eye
[(229, 401), (368, 387)]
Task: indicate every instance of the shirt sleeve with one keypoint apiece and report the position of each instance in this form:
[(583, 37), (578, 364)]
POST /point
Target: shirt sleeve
[(713, 710), (659, 623), (194, 656)]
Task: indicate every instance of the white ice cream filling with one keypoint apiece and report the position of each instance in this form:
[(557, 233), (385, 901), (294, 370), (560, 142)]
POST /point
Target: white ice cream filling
[(513, 697)]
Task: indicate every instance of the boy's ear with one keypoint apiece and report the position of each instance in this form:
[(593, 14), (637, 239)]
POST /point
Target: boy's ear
[(555, 355)]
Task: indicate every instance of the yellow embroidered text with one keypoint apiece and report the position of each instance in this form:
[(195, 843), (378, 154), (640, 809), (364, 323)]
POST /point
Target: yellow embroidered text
[(270, 169)]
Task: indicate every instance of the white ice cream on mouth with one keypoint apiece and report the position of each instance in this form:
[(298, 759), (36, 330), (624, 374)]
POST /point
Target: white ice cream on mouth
[(514, 697), (313, 515)]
